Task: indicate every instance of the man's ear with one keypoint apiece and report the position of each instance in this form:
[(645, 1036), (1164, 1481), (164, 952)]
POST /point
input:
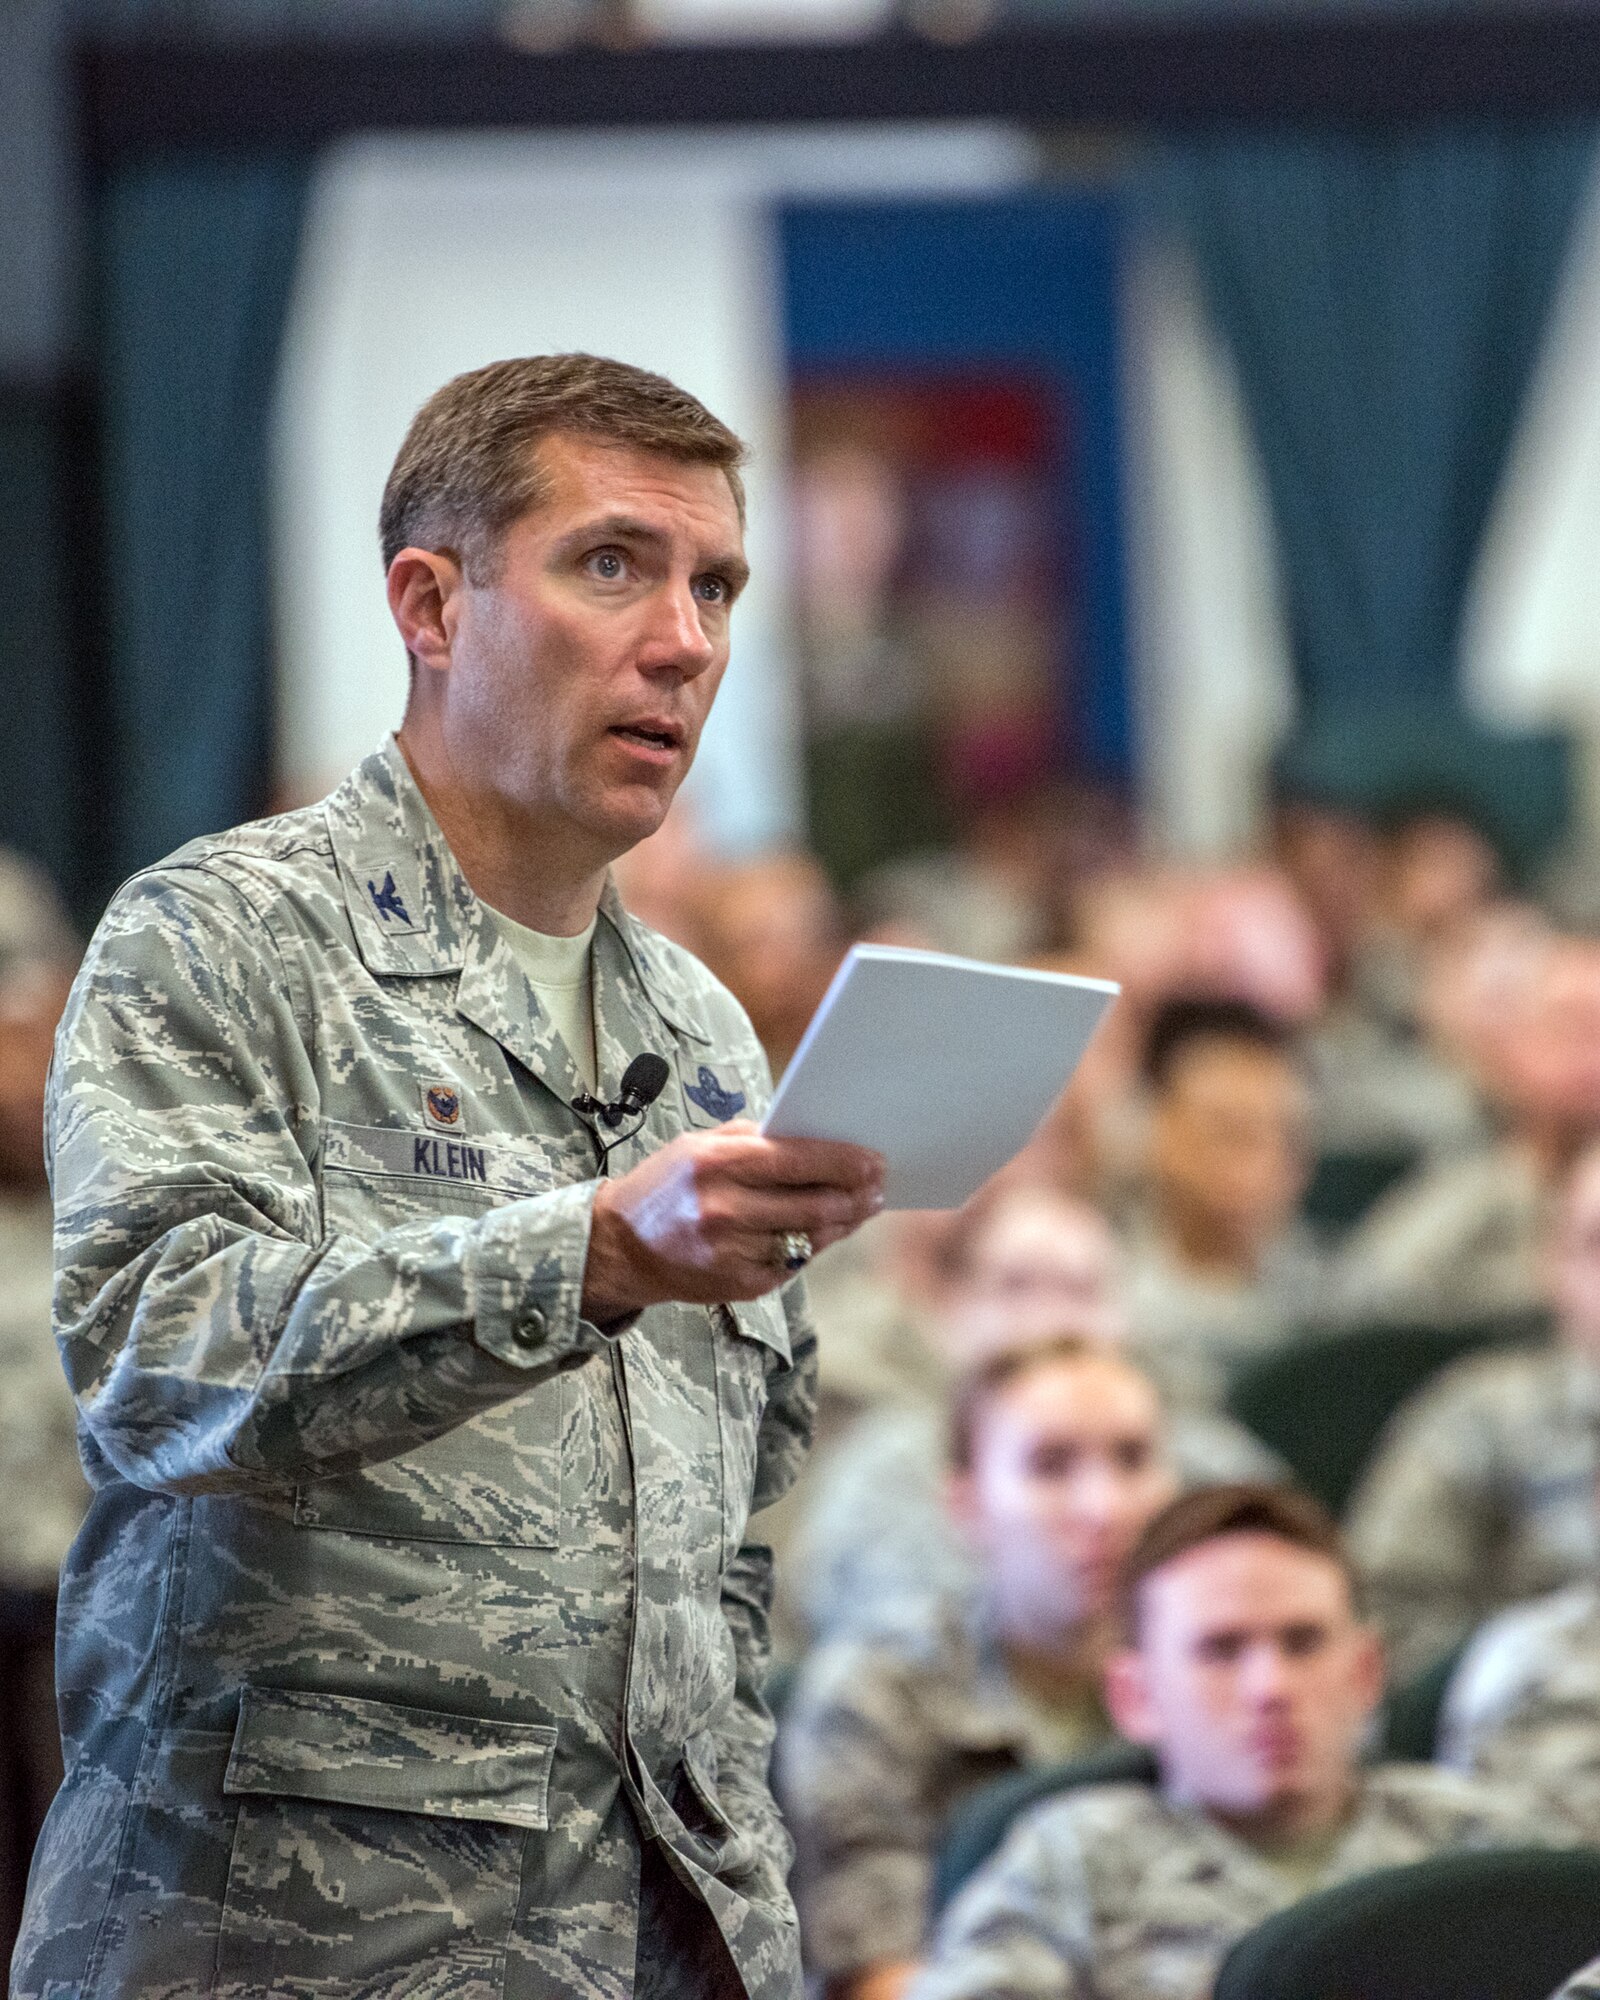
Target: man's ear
[(424, 588), (1128, 1697)]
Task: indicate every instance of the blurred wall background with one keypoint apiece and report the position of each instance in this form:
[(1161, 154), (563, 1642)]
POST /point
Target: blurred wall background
[(1321, 435)]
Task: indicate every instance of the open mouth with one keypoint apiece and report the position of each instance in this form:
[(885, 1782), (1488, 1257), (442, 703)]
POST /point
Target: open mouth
[(648, 736)]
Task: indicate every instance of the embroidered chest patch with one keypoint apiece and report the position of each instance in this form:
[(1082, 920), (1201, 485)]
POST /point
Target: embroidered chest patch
[(441, 1106), (708, 1092)]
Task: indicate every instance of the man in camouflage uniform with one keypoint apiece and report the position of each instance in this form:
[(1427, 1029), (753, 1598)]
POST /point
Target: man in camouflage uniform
[(413, 1645), (1482, 1492), (1524, 1705), (1252, 1679)]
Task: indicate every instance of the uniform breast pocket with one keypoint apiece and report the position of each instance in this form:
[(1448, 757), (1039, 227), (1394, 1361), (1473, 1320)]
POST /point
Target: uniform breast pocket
[(752, 1337), (494, 1480)]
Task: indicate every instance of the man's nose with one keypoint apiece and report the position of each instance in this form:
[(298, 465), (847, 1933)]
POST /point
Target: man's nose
[(1100, 1496), (678, 638), (1266, 1673)]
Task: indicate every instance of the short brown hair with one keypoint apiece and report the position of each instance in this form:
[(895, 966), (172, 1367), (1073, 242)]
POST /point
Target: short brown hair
[(467, 468), (977, 1389), (1243, 1507)]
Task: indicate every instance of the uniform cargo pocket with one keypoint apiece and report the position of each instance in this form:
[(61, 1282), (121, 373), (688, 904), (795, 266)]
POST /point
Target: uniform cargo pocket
[(378, 1848), (350, 1751)]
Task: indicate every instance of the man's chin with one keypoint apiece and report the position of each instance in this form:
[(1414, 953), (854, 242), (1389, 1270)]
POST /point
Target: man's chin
[(622, 822)]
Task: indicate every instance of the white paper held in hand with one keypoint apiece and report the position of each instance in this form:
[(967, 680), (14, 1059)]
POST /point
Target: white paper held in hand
[(943, 1065)]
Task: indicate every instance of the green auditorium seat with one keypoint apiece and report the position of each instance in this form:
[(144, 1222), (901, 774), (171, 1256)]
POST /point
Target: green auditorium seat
[(1322, 1403), (1343, 1186), (1410, 1731), (1507, 1924), (978, 1825)]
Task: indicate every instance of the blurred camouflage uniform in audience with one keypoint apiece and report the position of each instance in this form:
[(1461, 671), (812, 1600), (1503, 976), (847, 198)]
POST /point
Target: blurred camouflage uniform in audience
[(1378, 1086), (1583, 1985), (1191, 1332), (1524, 1705), (873, 1355), (875, 1550), (1458, 1239), (1482, 1494), (881, 1739), (41, 1481), (1116, 1893)]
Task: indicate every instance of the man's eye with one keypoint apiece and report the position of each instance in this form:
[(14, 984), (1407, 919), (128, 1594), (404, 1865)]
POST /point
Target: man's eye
[(713, 589), (607, 564)]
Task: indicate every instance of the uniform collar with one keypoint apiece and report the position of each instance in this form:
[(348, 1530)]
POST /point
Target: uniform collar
[(414, 915)]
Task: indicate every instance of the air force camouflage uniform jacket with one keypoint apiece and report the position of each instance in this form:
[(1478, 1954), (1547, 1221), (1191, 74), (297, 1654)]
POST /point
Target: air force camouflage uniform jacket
[(1523, 1707), (408, 1601), (1115, 1893)]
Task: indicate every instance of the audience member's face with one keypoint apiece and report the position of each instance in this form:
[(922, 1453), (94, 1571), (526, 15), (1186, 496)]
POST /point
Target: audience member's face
[(1230, 1143), (1252, 1678), (1441, 871), (1553, 1059), (1333, 858), (1039, 1266), (1575, 1257), (1067, 1468)]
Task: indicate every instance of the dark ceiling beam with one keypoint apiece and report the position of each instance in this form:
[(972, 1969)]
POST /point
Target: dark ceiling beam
[(139, 95)]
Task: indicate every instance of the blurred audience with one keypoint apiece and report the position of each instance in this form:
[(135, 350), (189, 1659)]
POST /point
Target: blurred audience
[(1460, 1237), (874, 1548), (669, 880), (39, 1469), (774, 933), (1246, 1668), (1482, 1490), (1523, 1707), (1235, 934), (1383, 1082), (1369, 998), (1220, 1269), (1056, 1462)]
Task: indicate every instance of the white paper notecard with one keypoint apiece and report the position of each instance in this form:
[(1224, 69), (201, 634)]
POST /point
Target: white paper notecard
[(943, 1065)]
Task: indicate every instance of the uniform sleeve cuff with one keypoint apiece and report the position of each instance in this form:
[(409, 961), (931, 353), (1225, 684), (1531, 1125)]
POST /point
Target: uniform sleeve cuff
[(526, 1274)]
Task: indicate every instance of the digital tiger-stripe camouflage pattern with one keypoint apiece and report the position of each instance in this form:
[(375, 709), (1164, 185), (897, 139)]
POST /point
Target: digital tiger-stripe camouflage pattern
[(409, 1605)]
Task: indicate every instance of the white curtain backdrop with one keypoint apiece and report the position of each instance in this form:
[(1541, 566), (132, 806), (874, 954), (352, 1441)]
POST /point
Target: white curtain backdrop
[(1530, 638), (1531, 635), (1213, 681), (425, 257)]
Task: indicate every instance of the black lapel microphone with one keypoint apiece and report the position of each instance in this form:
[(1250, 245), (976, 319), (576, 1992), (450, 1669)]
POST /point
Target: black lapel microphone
[(642, 1083)]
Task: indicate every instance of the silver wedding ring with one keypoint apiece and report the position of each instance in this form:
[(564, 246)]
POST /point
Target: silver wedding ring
[(794, 1249)]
